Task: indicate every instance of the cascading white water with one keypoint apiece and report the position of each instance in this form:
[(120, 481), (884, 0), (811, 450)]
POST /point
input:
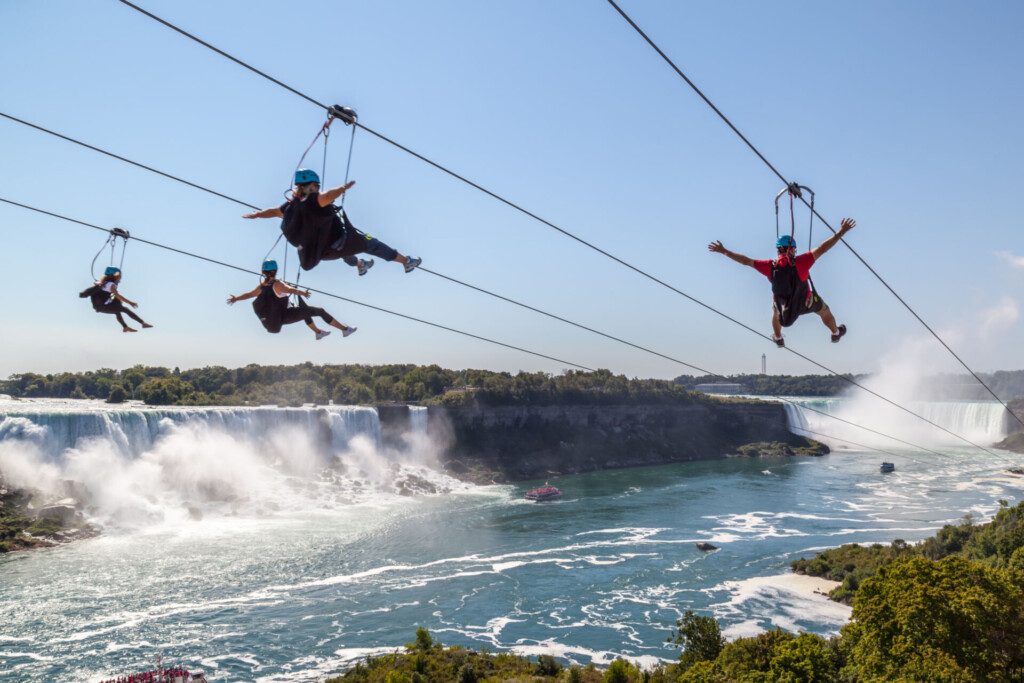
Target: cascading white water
[(138, 465), (56, 427), (983, 422), (418, 419)]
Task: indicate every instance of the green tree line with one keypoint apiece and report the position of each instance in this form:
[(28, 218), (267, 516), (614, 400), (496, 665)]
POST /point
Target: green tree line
[(345, 384)]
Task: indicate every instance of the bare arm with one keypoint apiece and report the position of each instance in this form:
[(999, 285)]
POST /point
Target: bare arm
[(718, 248), (117, 295), (328, 196), (845, 226), (274, 212), (282, 288), (242, 297)]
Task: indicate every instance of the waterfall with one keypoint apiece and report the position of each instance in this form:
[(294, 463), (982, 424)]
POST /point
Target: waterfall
[(418, 419), (984, 422), (57, 427), (133, 465)]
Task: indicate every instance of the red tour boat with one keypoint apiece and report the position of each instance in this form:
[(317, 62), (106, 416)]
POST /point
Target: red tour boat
[(546, 492)]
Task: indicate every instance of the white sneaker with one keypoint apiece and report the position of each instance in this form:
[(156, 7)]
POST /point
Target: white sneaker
[(412, 264), (364, 266), (347, 331), (321, 334)]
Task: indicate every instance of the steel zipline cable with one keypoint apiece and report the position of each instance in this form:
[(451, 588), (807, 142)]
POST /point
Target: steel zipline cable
[(544, 221), (224, 264), (542, 312), (810, 206), (551, 225), (498, 296)]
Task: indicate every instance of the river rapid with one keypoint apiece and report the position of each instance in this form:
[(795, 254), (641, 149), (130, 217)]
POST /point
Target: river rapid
[(235, 543)]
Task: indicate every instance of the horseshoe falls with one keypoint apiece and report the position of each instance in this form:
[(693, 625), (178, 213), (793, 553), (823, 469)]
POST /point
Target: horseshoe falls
[(983, 422), (285, 544)]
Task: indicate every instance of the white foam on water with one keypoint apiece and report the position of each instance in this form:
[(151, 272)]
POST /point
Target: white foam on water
[(313, 668), (788, 600), (582, 655)]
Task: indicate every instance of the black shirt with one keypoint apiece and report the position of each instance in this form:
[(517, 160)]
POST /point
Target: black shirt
[(311, 228)]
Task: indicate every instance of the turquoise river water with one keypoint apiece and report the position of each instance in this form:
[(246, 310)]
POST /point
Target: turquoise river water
[(228, 548)]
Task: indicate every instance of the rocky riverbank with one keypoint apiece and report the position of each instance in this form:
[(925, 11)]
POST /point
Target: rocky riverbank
[(29, 520)]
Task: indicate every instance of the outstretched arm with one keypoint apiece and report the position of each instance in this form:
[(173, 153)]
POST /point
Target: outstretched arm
[(718, 248), (275, 212), (328, 196), (242, 297), (845, 226), (283, 288)]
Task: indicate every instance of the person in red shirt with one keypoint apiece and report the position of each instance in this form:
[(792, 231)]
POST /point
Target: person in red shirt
[(789, 274)]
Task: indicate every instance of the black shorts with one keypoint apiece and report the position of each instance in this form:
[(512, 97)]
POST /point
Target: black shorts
[(815, 305), (812, 304)]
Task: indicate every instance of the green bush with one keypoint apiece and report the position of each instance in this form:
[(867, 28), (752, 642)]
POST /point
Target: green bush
[(621, 671), (700, 637), (547, 666), (805, 659), (117, 394), (164, 391), (423, 639)]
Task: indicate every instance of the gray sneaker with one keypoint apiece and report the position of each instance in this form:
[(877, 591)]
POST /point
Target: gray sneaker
[(364, 266), (322, 333), (347, 331), (412, 264)]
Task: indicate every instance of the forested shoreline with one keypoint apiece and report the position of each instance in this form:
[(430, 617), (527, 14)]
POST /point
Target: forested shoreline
[(347, 384), (432, 384)]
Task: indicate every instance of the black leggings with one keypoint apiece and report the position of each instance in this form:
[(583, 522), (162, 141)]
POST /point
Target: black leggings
[(117, 308), (353, 242), (304, 313)]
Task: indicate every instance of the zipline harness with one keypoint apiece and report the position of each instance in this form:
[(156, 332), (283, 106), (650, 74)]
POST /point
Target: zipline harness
[(115, 234), (348, 116)]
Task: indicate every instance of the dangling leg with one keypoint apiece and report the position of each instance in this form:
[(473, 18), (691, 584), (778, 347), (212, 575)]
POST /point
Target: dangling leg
[(777, 328), (359, 264), (830, 322), (346, 330), (124, 325), (131, 314), (306, 313), (116, 308), (357, 242)]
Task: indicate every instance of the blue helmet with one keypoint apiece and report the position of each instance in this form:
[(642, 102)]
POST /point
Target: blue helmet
[(304, 175), (269, 265), (785, 241), (112, 270)]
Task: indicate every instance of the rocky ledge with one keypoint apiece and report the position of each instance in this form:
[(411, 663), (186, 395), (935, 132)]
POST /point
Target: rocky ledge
[(30, 520), (487, 444)]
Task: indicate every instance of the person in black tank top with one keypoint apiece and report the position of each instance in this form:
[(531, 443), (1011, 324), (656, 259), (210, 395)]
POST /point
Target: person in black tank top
[(106, 299), (272, 308), (310, 222)]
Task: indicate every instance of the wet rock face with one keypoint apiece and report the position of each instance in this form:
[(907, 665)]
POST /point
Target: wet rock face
[(502, 443), (62, 513), (30, 520)]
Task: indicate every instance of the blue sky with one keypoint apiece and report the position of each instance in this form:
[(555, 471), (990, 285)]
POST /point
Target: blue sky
[(905, 116)]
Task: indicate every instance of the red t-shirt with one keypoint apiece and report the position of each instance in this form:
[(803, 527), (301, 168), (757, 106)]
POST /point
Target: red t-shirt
[(803, 265)]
